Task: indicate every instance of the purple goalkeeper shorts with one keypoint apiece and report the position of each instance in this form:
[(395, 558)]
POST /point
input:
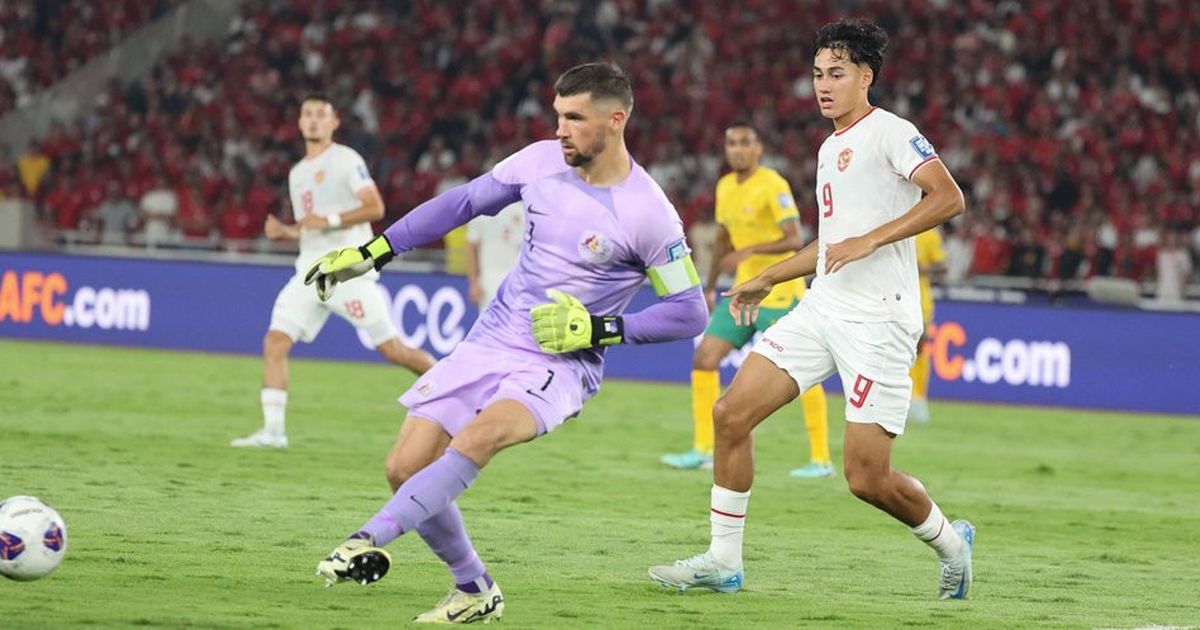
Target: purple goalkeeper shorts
[(472, 377)]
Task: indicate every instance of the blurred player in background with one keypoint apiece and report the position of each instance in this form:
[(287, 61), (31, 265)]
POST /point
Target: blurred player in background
[(931, 263), (596, 226), (758, 226), (493, 244), (334, 201), (860, 319)]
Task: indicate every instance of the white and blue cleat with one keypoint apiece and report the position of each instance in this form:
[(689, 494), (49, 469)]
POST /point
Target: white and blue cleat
[(699, 571), (955, 577)]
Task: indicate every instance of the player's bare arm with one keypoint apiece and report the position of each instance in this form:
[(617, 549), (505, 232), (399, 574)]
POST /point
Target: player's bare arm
[(746, 296), (370, 210), (943, 201), (278, 230), (722, 246), (790, 241)]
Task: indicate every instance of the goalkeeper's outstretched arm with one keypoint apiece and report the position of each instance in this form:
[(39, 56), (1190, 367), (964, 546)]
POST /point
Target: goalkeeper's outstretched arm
[(428, 221), (434, 218)]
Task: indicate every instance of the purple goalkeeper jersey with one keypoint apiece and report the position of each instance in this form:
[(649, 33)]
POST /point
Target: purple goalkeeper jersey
[(595, 243)]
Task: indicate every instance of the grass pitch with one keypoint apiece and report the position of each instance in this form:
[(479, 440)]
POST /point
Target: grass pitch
[(1085, 519)]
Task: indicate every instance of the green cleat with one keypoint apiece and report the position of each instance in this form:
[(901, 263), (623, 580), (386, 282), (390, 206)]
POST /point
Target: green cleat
[(814, 470), (691, 460)]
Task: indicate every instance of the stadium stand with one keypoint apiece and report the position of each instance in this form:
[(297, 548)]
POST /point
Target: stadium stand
[(1065, 136), (43, 41)]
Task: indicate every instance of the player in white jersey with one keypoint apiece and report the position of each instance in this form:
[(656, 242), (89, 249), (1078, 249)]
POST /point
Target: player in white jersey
[(861, 318), (493, 244), (334, 201)]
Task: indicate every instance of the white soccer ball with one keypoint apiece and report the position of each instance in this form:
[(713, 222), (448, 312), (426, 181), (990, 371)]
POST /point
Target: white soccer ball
[(33, 538)]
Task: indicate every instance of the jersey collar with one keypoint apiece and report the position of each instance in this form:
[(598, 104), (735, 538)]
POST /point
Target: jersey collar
[(858, 120)]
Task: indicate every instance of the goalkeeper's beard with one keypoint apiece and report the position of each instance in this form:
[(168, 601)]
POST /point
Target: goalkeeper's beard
[(584, 158)]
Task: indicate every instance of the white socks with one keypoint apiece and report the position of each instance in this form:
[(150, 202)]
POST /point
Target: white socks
[(274, 403), (728, 517), (937, 533)]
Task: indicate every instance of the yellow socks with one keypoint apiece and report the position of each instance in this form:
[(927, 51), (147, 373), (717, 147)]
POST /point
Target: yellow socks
[(920, 376), (816, 420), (706, 387)]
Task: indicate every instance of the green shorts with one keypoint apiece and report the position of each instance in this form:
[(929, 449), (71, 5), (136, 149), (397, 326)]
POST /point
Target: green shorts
[(722, 325)]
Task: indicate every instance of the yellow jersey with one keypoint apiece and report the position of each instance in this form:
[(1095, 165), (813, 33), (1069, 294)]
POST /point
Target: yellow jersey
[(929, 252), (752, 211)]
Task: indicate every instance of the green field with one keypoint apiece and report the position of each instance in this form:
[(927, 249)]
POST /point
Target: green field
[(1085, 519)]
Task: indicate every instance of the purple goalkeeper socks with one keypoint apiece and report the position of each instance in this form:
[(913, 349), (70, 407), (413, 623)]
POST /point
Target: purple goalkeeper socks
[(478, 585), (446, 535), (423, 496)]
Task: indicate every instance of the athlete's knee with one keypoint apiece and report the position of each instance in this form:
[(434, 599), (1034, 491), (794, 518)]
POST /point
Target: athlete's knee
[(731, 421), (413, 358), (392, 350), (399, 469), (709, 354), (276, 344), (706, 361), (865, 483), (862, 486)]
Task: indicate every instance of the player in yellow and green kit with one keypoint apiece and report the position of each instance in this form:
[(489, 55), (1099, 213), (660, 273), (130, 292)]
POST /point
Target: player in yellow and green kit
[(759, 226), (931, 260)]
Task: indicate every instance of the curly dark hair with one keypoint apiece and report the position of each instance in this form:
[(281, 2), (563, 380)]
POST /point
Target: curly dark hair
[(860, 40)]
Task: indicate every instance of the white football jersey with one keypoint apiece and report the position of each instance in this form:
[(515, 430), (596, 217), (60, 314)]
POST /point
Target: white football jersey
[(864, 179), (326, 184), (499, 239)]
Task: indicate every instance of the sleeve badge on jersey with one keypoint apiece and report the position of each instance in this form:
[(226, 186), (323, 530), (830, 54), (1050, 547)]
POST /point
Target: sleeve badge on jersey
[(922, 147), (677, 251), (786, 202), (362, 171)]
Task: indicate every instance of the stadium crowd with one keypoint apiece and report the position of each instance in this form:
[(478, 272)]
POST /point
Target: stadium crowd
[(1076, 143), (41, 41)]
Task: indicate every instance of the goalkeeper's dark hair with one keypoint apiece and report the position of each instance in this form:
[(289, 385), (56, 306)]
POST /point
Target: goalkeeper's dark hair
[(601, 79), (862, 41), (320, 97)]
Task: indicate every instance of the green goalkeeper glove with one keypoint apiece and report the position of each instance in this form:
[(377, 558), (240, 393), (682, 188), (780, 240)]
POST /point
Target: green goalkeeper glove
[(344, 264), (565, 325)]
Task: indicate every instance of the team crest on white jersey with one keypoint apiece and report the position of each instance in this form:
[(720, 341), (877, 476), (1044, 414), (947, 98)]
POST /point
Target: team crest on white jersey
[(320, 176), (595, 247), (844, 158)]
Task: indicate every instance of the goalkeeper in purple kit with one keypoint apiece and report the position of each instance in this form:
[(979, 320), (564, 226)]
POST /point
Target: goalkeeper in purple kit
[(596, 225)]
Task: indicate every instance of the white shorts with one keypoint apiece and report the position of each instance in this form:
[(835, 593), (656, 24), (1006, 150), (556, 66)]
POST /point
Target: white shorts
[(300, 314), (872, 358)]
